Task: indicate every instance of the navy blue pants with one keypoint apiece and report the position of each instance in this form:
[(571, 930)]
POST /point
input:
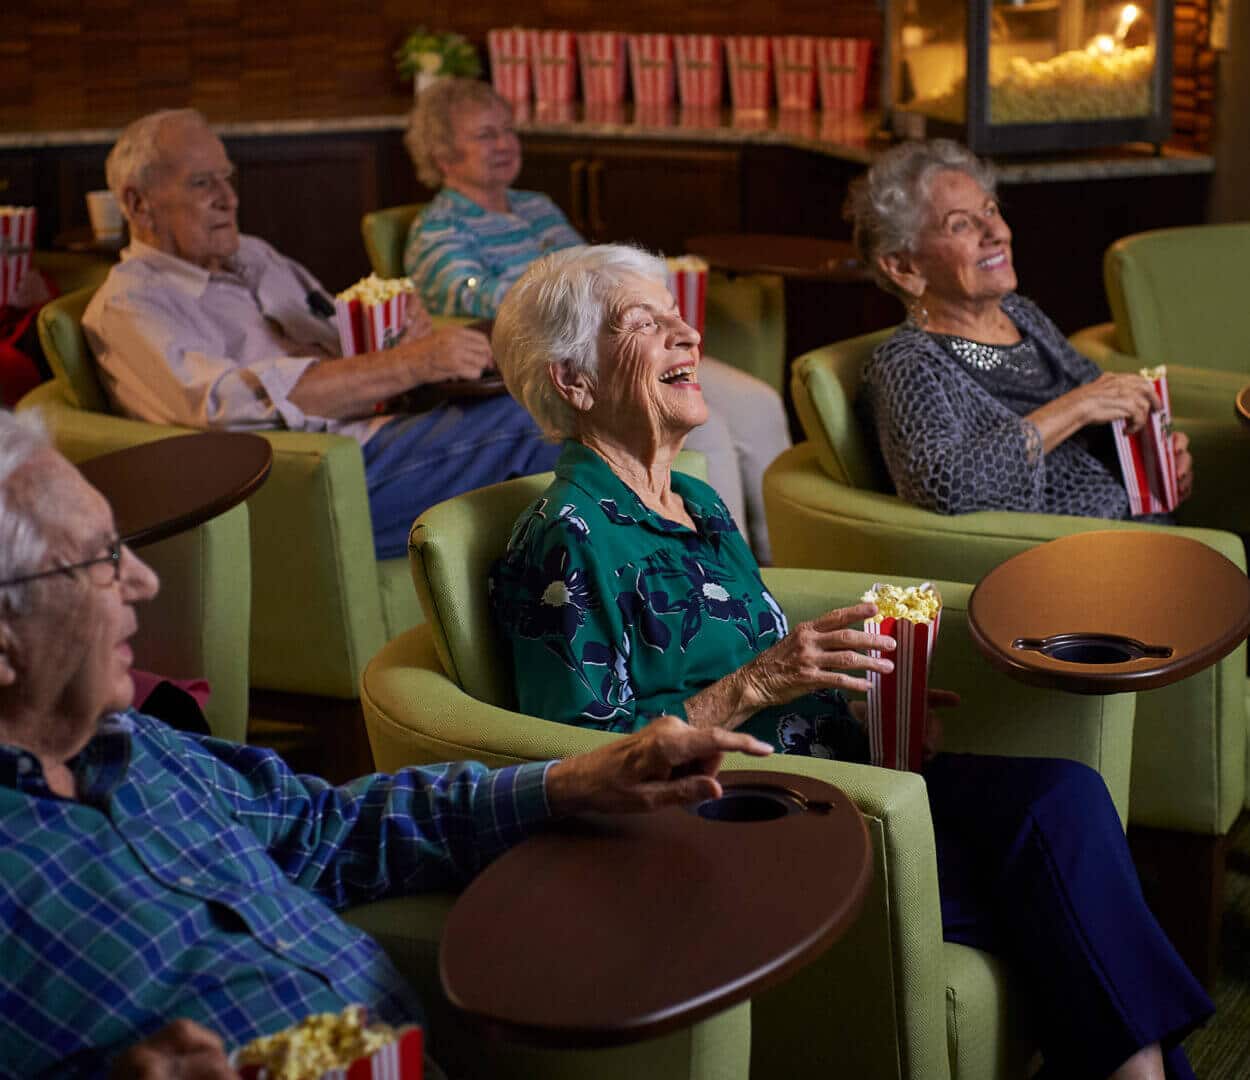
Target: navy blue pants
[(1033, 867), (416, 461)]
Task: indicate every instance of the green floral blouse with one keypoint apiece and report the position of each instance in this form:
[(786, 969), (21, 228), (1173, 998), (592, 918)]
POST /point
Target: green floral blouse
[(615, 614)]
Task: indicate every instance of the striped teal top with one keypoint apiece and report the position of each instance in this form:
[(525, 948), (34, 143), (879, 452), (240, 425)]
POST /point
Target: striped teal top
[(464, 258)]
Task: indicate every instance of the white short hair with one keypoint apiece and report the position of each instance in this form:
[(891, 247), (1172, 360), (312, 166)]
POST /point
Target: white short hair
[(22, 540), (555, 313), (135, 159)]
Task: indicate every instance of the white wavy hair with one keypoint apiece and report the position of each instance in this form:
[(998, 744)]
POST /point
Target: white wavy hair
[(135, 160), (554, 313), (888, 206), (22, 541)]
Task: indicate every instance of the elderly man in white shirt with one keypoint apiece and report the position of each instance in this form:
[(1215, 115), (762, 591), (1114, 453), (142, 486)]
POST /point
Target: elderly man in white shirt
[(207, 328)]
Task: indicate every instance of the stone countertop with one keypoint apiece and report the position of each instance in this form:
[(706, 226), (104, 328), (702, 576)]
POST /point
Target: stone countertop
[(850, 138)]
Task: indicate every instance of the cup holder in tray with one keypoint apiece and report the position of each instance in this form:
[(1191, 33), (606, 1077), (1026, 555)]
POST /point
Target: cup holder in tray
[(1092, 648), (752, 802)]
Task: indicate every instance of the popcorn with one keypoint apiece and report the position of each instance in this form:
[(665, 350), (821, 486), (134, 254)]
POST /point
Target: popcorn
[(699, 70), (324, 1044), (750, 72), (915, 603), (687, 281), (373, 313), (1147, 457), (898, 705)]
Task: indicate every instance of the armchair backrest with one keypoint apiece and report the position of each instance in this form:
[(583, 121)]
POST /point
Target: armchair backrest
[(825, 384), (385, 233), (65, 346), (1179, 295), (450, 552)]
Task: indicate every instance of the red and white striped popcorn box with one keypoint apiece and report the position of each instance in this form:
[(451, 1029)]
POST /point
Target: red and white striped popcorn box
[(385, 322), (17, 241), (350, 316), (700, 117), (700, 70), (687, 281), (604, 112), (898, 702), (794, 64), (403, 1059), (1147, 457), (842, 67), (602, 56), (651, 68), (553, 59), (750, 72), (510, 63), (664, 115)]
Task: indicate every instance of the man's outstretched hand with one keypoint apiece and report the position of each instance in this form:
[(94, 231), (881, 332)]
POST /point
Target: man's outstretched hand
[(184, 1050), (668, 762)]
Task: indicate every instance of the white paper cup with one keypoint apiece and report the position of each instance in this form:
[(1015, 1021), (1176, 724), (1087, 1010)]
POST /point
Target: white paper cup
[(105, 214)]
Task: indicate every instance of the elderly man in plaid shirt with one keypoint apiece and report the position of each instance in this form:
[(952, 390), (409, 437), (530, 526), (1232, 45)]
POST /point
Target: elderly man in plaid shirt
[(164, 895)]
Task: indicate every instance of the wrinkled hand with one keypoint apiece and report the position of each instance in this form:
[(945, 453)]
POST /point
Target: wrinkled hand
[(666, 763), (1117, 396), (451, 352), (418, 321), (937, 699), (1184, 465), (183, 1049), (816, 655)]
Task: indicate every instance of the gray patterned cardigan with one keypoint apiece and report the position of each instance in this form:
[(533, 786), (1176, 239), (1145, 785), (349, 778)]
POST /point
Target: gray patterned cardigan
[(952, 447)]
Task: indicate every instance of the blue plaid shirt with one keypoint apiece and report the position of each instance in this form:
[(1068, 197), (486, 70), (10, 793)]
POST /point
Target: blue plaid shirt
[(198, 878)]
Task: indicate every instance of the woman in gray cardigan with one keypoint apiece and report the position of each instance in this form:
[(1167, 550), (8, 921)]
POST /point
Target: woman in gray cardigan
[(978, 400)]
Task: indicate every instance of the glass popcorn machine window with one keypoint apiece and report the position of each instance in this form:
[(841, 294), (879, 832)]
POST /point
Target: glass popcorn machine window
[(1024, 76)]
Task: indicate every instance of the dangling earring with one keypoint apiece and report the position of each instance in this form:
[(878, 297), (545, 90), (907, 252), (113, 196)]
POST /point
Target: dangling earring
[(917, 313)]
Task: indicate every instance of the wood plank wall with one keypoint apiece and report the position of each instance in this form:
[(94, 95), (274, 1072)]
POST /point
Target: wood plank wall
[(100, 63)]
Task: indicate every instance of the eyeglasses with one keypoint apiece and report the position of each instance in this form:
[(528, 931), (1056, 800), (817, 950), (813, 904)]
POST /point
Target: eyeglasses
[(103, 570)]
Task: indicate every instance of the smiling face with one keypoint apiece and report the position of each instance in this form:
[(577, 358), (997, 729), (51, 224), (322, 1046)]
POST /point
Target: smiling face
[(485, 155), (189, 207), (67, 657), (646, 396), (963, 257)]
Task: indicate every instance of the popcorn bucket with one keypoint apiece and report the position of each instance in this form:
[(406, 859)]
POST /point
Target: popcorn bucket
[(554, 63), (842, 71), (17, 240), (604, 112), (749, 71), (687, 281), (801, 122), (1147, 457), (603, 67), (373, 314), (700, 70), (403, 1059), (664, 116), (898, 704), (510, 63), (794, 63), (699, 117), (651, 68)]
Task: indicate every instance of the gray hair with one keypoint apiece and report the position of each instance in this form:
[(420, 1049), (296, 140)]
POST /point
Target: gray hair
[(431, 130), (554, 313), (888, 206), (22, 541), (135, 159)]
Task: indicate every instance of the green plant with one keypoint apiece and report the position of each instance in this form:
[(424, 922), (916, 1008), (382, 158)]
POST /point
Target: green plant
[(437, 54)]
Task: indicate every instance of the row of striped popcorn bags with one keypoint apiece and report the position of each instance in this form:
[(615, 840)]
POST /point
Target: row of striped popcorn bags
[(1147, 456), (17, 241), (545, 63)]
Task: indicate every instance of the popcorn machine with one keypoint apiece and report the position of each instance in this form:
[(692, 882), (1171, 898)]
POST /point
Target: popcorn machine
[(1024, 76)]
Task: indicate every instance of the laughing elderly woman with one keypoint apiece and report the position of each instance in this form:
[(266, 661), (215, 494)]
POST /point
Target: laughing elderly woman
[(627, 592), (479, 234), (978, 400)]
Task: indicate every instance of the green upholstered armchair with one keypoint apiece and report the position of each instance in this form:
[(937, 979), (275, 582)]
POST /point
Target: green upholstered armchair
[(916, 1006), (831, 506), (321, 603), (745, 316)]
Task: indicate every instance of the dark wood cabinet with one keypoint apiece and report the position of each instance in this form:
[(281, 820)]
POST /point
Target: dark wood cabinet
[(653, 194)]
